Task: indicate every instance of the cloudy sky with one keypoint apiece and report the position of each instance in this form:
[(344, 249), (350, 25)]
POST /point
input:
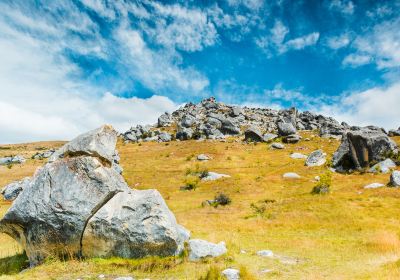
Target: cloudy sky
[(69, 66)]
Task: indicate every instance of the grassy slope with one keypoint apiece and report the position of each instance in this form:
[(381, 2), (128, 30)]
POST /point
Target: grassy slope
[(351, 233)]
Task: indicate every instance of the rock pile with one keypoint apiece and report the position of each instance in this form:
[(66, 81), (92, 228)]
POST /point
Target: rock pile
[(210, 119), (78, 204), (12, 160)]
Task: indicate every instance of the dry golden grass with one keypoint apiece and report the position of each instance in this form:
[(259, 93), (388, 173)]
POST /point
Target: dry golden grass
[(351, 233)]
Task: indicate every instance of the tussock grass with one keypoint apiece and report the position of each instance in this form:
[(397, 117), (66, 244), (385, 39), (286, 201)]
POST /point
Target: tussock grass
[(350, 233)]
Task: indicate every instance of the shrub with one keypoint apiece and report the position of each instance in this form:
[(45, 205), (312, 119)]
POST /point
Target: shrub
[(324, 184), (191, 183), (221, 199)]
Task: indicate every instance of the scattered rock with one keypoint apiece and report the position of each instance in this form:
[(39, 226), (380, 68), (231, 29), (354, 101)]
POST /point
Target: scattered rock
[(11, 191), (291, 139), (203, 157), (253, 134), (316, 158), (298, 156), (286, 129), (231, 274), (278, 146), (199, 249), (395, 179), (211, 176), (291, 175), (184, 133), (269, 137), (164, 137), (125, 278), (383, 166), (374, 186), (43, 155), (165, 120), (394, 132), (18, 159), (265, 253)]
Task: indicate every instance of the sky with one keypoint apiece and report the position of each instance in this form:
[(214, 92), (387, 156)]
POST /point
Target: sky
[(69, 66)]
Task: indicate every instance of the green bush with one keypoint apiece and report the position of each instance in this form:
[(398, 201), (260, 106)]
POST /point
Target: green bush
[(324, 184)]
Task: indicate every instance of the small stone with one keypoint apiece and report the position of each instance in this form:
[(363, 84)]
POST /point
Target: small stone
[(203, 157), (291, 175), (199, 249), (101, 276), (266, 270), (212, 176), (374, 186), (298, 156), (267, 137), (316, 158), (265, 253), (231, 274), (278, 146), (124, 278), (395, 179)]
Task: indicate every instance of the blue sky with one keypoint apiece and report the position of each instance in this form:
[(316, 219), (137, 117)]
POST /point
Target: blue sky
[(68, 66)]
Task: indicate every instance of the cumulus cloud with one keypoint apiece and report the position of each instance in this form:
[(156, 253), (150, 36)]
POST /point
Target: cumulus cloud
[(375, 106), (380, 45), (338, 42)]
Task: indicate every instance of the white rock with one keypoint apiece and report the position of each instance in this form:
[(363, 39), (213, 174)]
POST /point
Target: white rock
[(211, 176), (265, 253), (316, 158), (291, 175), (199, 249), (383, 166), (203, 157), (124, 278), (278, 146), (395, 179), (374, 186), (231, 274), (298, 156)]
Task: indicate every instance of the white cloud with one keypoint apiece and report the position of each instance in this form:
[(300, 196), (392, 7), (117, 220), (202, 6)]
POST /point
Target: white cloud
[(338, 42), (380, 46), (275, 42), (375, 106), (342, 6)]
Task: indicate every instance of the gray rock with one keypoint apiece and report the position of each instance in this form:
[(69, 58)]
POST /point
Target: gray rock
[(164, 137), (133, 224), (188, 121), (231, 274), (212, 176), (43, 155), (269, 137), (236, 111), (49, 216), (18, 159), (203, 157), (383, 166), (291, 139), (11, 191), (278, 146), (253, 134), (286, 129), (228, 127), (184, 133), (395, 179), (165, 120), (291, 175), (374, 186), (298, 156), (316, 158), (361, 146), (98, 143), (199, 249), (265, 253)]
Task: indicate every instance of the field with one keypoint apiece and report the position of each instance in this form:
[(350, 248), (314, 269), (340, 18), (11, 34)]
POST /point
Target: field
[(351, 233)]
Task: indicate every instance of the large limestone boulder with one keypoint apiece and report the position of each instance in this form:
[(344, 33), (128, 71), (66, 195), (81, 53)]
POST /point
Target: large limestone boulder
[(253, 134), (79, 204), (133, 224), (286, 129), (98, 143), (362, 146)]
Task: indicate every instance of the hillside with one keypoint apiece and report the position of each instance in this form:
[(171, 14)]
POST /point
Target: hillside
[(350, 233)]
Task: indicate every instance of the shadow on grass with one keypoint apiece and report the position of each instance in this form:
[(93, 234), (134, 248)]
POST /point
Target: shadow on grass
[(14, 264)]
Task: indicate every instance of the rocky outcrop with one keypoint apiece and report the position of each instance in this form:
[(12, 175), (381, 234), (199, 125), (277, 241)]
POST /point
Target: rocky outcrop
[(80, 205), (361, 147)]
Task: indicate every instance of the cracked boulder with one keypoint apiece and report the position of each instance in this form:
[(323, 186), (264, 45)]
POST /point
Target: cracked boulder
[(65, 208), (361, 147)]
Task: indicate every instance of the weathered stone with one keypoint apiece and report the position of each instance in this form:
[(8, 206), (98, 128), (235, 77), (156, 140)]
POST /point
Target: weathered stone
[(298, 156), (265, 253), (291, 139), (199, 249), (165, 120), (267, 137), (374, 186), (395, 179), (203, 157), (278, 146), (383, 166), (253, 134), (291, 175), (11, 191), (133, 224), (316, 158), (286, 129), (164, 137), (212, 176), (98, 143), (18, 159), (184, 133), (231, 274)]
